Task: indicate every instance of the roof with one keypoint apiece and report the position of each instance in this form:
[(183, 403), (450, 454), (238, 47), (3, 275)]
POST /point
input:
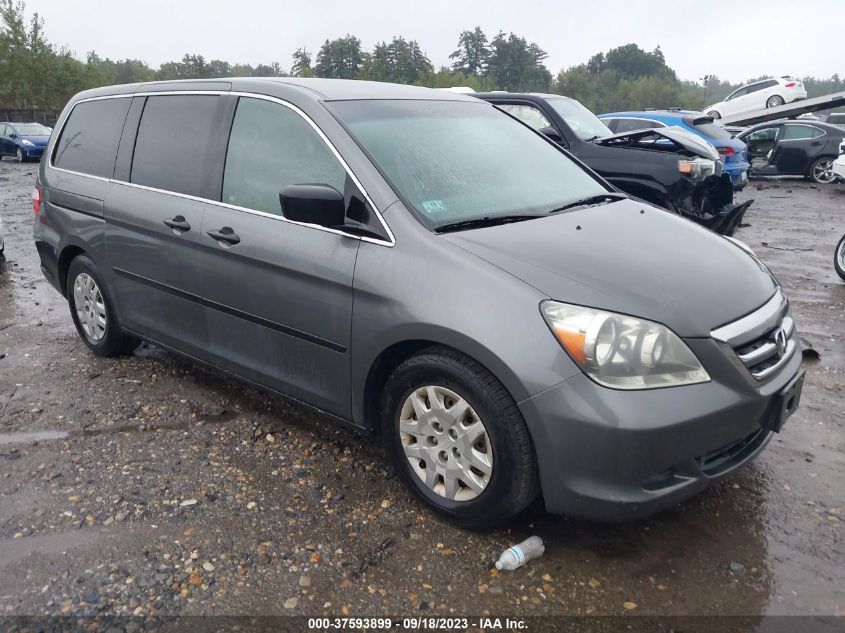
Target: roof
[(328, 89), (669, 114)]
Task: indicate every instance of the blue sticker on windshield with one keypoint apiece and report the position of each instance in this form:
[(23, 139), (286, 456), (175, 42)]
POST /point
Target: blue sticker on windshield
[(433, 206)]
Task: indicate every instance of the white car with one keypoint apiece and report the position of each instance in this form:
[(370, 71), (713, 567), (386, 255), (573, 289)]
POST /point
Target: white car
[(768, 93), (838, 164)]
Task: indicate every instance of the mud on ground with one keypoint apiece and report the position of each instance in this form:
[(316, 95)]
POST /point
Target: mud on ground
[(146, 485)]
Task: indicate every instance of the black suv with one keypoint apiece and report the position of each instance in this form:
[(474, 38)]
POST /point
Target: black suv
[(666, 166)]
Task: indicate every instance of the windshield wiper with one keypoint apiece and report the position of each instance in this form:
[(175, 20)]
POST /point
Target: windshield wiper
[(482, 222), (604, 198), (592, 138)]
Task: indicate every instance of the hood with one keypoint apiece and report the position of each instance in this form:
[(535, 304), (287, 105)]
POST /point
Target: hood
[(650, 264), (35, 140), (690, 142)]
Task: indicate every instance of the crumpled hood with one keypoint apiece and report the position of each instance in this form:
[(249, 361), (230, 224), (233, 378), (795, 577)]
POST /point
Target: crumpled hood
[(630, 258), (689, 141)]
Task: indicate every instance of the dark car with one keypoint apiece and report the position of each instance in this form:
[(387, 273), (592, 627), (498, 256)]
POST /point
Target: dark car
[(834, 118), (24, 141), (666, 166), (794, 148), (418, 264), (734, 153)]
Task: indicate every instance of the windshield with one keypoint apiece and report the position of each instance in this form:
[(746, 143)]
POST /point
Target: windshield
[(32, 129), (454, 161), (583, 122)]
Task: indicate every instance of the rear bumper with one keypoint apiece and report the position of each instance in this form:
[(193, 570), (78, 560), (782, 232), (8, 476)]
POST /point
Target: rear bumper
[(611, 455)]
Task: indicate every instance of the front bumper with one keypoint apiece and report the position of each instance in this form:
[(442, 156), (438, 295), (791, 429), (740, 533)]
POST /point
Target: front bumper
[(31, 152), (611, 455)]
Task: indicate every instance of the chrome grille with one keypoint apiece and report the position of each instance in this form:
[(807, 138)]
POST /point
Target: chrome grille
[(763, 340)]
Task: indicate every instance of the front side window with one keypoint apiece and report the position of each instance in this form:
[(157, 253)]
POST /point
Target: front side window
[(271, 147), (89, 139), (766, 134), (586, 125), (453, 161), (172, 141), (529, 115)]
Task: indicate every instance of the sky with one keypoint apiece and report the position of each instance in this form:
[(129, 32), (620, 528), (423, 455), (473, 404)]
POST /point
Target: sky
[(733, 39)]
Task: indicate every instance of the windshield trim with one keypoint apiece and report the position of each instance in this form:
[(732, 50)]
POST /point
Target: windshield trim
[(401, 196)]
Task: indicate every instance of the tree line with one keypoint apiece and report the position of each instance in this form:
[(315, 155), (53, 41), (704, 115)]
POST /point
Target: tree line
[(35, 73)]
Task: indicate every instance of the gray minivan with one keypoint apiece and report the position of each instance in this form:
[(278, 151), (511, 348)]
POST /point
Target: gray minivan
[(418, 264)]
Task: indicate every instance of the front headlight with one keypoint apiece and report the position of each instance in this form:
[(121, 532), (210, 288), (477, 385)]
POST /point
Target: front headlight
[(698, 168), (621, 351), (28, 142)]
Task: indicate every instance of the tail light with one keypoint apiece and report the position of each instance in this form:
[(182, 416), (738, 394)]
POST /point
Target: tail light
[(791, 84), (36, 199), (726, 151)]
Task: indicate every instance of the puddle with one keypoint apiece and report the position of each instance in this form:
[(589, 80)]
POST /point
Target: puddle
[(14, 549), (32, 436)]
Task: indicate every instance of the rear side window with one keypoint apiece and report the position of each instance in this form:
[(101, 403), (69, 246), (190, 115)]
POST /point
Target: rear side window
[(630, 125), (89, 139), (173, 137), (271, 147), (798, 132)]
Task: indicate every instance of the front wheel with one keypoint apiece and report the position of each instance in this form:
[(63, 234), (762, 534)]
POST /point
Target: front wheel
[(839, 258), (19, 155), (457, 439), (714, 114), (92, 310), (822, 171), (774, 101)]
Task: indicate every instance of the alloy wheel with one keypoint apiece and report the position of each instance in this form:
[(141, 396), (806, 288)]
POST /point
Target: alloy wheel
[(446, 443), (774, 101), (823, 171), (19, 155), (90, 307), (840, 254)]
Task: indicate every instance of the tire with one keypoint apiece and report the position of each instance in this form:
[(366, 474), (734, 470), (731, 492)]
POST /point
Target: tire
[(504, 450), (774, 101), (821, 171), (714, 114), (19, 155), (839, 258), (103, 336)]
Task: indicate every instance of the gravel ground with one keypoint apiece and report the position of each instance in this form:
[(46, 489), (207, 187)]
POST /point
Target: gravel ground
[(145, 485)]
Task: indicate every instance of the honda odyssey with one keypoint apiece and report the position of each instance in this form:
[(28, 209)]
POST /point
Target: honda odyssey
[(417, 264)]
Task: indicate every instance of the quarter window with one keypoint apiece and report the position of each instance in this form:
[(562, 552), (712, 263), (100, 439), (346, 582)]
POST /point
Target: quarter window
[(271, 147), (172, 142), (89, 139)]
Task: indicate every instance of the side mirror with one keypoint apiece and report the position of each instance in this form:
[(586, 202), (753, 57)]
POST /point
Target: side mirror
[(551, 133), (313, 204), (13, 135)]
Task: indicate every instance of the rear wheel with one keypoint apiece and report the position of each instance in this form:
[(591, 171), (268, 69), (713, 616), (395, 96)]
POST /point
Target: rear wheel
[(92, 310), (457, 439), (822, 171), (839, 258), (774, 101), (714, 114)]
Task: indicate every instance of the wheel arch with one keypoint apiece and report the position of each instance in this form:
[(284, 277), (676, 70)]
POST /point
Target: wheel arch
[(68, 253), (365, 407)]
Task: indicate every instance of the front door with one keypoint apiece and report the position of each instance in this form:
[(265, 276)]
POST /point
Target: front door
[(278, 293)]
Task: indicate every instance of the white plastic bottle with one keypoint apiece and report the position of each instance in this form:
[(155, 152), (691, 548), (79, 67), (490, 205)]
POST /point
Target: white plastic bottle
[(517, 555)]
